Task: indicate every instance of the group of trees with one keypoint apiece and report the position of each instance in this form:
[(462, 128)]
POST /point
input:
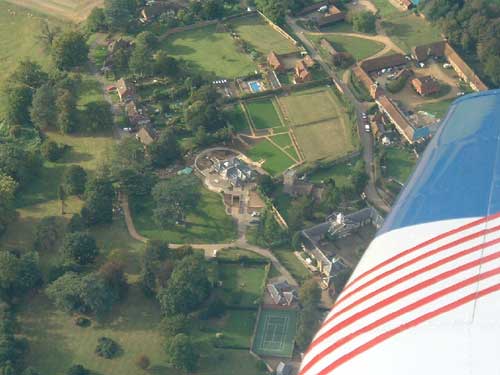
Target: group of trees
[(363, 21), (309, 316), (473, 27)]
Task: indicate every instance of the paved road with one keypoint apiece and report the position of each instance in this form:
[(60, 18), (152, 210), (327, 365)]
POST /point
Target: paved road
[(366, 138)]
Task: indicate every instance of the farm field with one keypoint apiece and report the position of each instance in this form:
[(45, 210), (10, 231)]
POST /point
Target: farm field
[(359, 48), (209, 223), (263, 113), (70, 10), (276, 161), (210, 53), (323, 133), (261, 36)]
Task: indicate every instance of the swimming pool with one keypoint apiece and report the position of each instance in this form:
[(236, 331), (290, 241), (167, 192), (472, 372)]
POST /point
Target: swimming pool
[(255, 86)]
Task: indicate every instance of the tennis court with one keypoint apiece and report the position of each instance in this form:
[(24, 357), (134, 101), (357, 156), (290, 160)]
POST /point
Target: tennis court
[(276, 333)]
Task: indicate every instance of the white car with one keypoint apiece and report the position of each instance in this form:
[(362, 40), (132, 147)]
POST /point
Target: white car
[(367, 128)]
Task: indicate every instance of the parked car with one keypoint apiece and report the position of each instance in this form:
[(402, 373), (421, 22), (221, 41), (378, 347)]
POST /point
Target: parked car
[(367, 128)]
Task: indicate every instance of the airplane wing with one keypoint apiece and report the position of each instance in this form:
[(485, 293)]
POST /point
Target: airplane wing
[(425, 297)]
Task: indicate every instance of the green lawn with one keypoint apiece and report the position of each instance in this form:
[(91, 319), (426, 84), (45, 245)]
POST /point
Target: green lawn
[(20, 40), (399, 163), (242, 285), (408, 30), (236, 254), (276, 161), (438, 109), (282, 140), (288, 259), (339, 172), (237, 119), (210, 52), (385, 8), (208, 223), (263, 113), (261, 36), (359, 48)]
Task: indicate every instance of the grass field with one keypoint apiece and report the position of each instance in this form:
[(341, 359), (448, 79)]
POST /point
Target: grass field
[(359, 48), (384, 7), (288, 259), (276, 161), (276, 333), (242, 286), (208, 223), (263, 114), (438, 109), (70, 10), (399, 163), (339, 172), (261, 36), (323, 133), (237, 119), (235, 254), (210, 52), (408, 30)]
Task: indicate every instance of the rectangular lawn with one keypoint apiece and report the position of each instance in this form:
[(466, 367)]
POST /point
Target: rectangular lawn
[(242, 285), (261, 36), (210, 52), (359, 48), (208, 223), (263, 113), (276, 161), (399, 163), (322, 133), (237, 119)]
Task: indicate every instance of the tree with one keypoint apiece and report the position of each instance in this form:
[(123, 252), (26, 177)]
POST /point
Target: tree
[(18, 273), (18, 99), (77, 370), (119, 13), (143, 362), (47, 232), (61, 193), (79, 248), (187, 288), (309, 293), (96, 21), (75, 293), (51, 151), (30, 371), (30, 74), (181, 353), (164, 65), (66, 111), (171, 326), (106, 347), (174, 198), (113, 274), (363, 21), (165, 150), (275, 10), (8, 187), (99, 196), (70, 50), (141, 59), (48, 34), (98, 116), (74, 180), (18, 162)]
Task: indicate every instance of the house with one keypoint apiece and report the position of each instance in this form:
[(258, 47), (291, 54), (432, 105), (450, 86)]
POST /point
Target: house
[(403, 126), (284, 369), (379, 63), (125, 89), (302, 74), (282, 293), (309, 61), (334, 15), (274, 62), (423, 52), (297, 188), (146, 135), (426, 85), (117, 44), (235, 170), (135, 117), (406, 4)]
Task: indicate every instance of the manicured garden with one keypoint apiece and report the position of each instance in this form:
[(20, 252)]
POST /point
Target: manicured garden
[(210, 52), (276, 161), (208, 223), (261, 36), (263, 113)]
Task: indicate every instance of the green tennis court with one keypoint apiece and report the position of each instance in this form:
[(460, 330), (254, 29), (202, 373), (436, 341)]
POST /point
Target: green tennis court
[(276, 333)]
